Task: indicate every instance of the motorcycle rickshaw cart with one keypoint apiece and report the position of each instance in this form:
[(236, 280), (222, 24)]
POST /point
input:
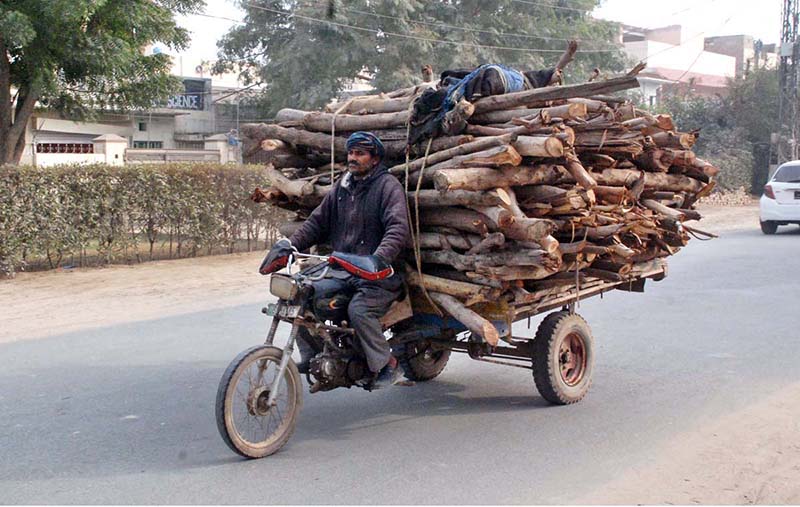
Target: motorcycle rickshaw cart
[(260, 394)]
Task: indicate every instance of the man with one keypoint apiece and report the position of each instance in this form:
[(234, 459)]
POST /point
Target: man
[(365, 213)]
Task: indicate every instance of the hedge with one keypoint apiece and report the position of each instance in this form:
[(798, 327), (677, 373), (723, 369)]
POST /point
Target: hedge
[(99, 214)]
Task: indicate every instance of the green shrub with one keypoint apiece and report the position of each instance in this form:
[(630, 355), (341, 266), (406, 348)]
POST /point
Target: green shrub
[(100, 214)]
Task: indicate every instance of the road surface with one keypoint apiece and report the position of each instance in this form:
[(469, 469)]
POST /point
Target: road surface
[(125, 413)]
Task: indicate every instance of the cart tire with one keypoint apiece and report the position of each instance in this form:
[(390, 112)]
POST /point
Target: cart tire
[(425, 365), (238, 393), (563, 358), (769, 227)]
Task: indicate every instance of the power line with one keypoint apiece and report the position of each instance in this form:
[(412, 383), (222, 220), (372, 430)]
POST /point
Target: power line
[(542, 4), (466, 29), (416, 37)]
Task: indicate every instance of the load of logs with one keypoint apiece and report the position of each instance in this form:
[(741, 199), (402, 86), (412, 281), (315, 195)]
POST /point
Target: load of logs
[(544, 191)]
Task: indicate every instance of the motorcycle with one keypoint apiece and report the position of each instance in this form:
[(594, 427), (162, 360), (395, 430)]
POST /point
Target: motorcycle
[(260, 394)]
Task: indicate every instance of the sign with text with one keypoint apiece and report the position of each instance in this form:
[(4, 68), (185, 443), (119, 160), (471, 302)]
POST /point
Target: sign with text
[(193, 97)]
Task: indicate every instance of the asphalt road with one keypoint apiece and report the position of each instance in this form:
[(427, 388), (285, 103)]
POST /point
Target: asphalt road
[(125, 414)]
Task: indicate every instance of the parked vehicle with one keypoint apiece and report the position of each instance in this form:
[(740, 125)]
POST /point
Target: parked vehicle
[(260, 394), (780, 203)]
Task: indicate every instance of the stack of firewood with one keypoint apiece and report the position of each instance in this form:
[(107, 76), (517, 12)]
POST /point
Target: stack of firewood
[(544, 190)]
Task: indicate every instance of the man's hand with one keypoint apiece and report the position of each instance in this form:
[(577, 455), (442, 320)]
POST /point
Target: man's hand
[(277, 257)]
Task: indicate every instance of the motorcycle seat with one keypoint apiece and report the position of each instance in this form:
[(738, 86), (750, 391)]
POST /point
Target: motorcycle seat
[(368, 267)]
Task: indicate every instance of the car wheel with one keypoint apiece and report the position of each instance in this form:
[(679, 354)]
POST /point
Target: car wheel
[(769, 227)]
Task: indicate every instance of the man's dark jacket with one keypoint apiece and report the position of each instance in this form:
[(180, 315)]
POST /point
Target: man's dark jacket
[(364, 217)]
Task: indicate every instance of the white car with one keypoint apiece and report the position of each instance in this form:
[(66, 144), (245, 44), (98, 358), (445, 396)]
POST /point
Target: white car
[(780, 204)]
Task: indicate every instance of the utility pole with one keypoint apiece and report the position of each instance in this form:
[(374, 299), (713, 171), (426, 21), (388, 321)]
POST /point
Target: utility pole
[(789, 100)]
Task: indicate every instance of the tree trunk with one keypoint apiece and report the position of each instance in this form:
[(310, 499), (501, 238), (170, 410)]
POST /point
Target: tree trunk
[(470, 319), (523, 98), (434, 198), (322, 122), (549, 146), (485, 178), (470, 293), (652, 181), (458, 218), (441, 156), (574, 111), (14, 138)]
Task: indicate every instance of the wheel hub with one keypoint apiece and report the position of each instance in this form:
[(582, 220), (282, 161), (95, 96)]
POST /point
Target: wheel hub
[(257, 401), (572, 359)]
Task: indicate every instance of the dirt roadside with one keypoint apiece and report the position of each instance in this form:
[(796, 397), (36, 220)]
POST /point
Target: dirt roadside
[(38, 305), (749, 457)]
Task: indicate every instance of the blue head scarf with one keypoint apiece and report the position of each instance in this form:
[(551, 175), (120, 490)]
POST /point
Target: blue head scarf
[(367, 141)]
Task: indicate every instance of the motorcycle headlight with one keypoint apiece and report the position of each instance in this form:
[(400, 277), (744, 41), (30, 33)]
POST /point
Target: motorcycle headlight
[(283, 287)]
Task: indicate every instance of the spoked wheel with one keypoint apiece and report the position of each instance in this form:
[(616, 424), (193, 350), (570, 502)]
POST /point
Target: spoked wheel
[(563, 358), (245, 421)]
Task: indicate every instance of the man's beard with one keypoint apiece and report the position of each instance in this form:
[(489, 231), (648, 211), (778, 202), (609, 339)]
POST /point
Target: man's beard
[(359, 170)]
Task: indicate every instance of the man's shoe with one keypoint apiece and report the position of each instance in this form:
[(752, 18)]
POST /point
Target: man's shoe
[(391, 374)]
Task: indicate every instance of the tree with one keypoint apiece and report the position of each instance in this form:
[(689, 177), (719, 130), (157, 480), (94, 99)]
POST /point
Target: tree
[(305, 53), (731, 124), (81, 56)]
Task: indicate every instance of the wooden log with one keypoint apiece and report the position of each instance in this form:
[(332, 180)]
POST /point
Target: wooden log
[(489, 242), (570, 111), (677, 140), (371, 105), (479, 261), (322, 142), (322, 122), (539, 146), (515, 227), (578, 172), (652, 160), (497, 156), (435, 199), (509, 100), (463, 149), (471, 320), (458, 218), (611, 195), (305, 192), (518, 272), (441, 241), (652, 181), (662, 209), (470, 293), (485, 178)]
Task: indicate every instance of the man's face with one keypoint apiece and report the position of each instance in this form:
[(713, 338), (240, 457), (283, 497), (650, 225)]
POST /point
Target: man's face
[(361, 162)]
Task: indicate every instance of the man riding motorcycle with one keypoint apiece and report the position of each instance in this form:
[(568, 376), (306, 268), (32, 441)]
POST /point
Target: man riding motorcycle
[(365, 213)]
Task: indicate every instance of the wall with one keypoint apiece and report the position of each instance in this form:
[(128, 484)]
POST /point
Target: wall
[(659, 54), (159, 128), (51, 159)]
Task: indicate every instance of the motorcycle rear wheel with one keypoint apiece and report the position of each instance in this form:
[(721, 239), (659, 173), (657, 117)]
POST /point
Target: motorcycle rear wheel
[(245, 422)]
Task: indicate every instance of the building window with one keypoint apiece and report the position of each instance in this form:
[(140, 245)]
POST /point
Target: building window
[(148, 145), (64, 148), (142, 126)]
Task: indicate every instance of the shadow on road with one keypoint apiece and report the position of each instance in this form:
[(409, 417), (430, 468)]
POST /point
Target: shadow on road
[(161, 418)]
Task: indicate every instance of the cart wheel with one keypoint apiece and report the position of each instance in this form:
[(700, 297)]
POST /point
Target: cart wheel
[(563, 358), (425, 363)]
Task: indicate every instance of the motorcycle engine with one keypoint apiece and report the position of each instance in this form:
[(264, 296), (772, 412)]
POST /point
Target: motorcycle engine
[(332, 372)]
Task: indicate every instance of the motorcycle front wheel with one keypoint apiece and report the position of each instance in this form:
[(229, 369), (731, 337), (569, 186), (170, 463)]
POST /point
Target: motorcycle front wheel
[(245, 421)]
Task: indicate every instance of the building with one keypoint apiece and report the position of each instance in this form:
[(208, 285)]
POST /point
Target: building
[(749, 53), (675, 60), (190, 121), (679, 61)]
